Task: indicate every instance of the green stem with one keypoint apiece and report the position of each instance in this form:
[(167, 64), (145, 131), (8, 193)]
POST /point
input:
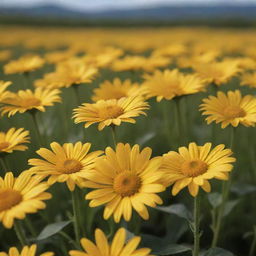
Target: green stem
[(253, 245), (76, 215), (4, 165), (178, 119), (165, 112), (113, 131), (76, 91), (30, 227), (196, 230), (225, 195), (20, 233), (39, 137), (69, 239)]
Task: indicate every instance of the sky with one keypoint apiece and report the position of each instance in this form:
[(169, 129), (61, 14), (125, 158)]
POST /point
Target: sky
[(94, 5)]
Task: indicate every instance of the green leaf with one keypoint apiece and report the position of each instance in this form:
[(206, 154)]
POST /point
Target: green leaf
[(177, 209), (215, 199), (230, 206), (52, 229), (218, 252), (242, 189), (171, 249), (147, 137)]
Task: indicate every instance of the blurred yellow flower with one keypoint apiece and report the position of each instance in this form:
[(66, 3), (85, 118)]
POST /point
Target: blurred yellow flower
[(27, 100), (117, 89), (3, 86), (168, 84), (13, 139), (76, 73), (25, 251), (133, 63), (24, 64), (170, 50), (195, 165), (217, 72), (67, 163), (123, 180), (5, 55), (230, 108), (20, 196), (248, 79), (119, 246), (110, 112)]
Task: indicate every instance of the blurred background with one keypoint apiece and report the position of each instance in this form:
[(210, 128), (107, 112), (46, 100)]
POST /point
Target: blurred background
[(239, 13)]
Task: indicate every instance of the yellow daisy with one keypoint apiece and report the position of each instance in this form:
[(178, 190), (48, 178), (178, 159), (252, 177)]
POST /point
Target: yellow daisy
[(67, 163), (117, 89), (123, 180), (119, 246), (249, 79), (20, 196), (129, 63), (168, 84), (3, 86), (26, 251), (27, 100), (13, 139), (195, 165), (110, 112), (217, 72), (75, 72), (230, 108), (24, 64)]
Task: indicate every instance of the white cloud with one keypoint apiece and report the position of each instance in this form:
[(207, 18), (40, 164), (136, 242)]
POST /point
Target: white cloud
[(109, 4)]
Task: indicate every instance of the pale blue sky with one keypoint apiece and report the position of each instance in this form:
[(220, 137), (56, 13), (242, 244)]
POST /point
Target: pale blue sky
[(110, 4)]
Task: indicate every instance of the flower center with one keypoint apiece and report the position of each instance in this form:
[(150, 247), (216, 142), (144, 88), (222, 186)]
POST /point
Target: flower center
[(110, 112), (9, 198), (234, 112), (194, 168), (71, 166), (32, 102), (4, 145), (127, 184)]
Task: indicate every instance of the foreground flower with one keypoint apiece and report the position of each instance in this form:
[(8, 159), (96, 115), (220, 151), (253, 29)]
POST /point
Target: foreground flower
[(3, 86), (13, 139), (24, 64), (110, 112), (26, 251), (67, 163), (119, 246), (125, 179), (20, 196), (172, 83), (117, 89), (217, 72), (27, 100), (230, 108), (195, 165)]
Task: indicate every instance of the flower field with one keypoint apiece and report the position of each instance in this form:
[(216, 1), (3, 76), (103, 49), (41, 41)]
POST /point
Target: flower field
[(127, 142)]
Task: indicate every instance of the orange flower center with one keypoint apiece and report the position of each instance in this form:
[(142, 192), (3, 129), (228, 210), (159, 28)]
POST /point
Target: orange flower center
[(32, 102), (234, 112), (71, 166), (4, 145), (9, 198), (194, 168), (127, 184), (110, 112)]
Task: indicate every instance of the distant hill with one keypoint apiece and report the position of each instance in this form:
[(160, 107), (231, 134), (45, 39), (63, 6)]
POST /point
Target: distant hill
[(158, 13)]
